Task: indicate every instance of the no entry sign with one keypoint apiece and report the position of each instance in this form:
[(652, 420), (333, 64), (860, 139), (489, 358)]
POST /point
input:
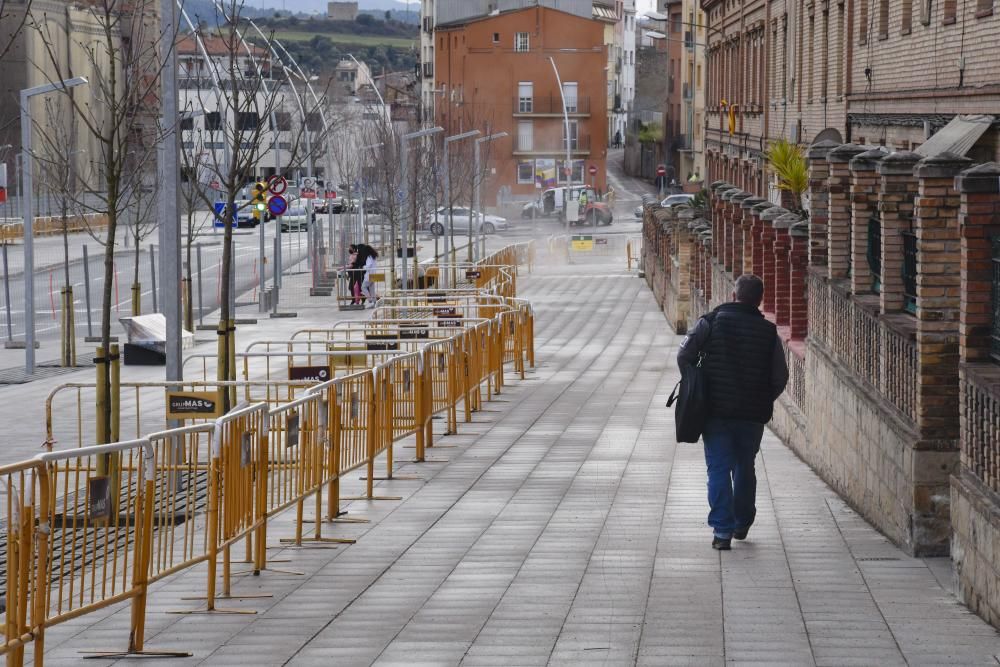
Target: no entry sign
[(593, 170)]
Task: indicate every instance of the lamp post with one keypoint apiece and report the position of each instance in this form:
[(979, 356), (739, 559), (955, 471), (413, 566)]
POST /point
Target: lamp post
[(404, 168), (569, 159), (479, 185), (29, 213), (450, 236)]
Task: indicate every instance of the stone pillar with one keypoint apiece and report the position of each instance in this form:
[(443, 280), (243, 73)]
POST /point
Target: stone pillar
[(706, 269), (819, 198), (782, 267), (737, 240), (839, 211), (767, 219), (757, 256), (939, 257), (727, 229), (865, 185), (717, 217), (979, 218), (798, 288), (746, 251), (899, 185)]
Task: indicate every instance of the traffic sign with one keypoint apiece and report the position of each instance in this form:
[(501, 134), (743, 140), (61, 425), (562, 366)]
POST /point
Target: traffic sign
[(592, 169), (307, 188), (277, 205), (277, 185), (215, 185), (661, 171)]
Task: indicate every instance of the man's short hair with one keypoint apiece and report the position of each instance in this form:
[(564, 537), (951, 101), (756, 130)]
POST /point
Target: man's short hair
[(749, 289)]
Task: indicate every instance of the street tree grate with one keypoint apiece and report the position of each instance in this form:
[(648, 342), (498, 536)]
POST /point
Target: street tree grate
[(44, 371)]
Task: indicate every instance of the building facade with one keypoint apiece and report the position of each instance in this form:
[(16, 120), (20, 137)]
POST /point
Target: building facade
[(692, 155), (889, 73), (494, 74)]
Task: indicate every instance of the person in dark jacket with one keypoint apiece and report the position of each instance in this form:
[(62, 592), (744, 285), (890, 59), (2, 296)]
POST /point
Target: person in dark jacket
[(744, 365)]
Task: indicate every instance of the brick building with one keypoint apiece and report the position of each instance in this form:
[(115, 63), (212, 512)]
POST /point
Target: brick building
[(886, 72), (493, 74)]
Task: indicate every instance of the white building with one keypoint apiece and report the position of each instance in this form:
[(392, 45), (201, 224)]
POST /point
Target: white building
[(625, 42), (428, 17)]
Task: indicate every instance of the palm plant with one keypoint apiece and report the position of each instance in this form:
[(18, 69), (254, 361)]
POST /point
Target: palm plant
[(788, 163)]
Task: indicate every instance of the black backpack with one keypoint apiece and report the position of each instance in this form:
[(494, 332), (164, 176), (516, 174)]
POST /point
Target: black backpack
[(691, 396)]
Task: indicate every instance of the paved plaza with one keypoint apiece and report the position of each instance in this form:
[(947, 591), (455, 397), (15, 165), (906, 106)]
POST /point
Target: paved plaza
[(564, 526)]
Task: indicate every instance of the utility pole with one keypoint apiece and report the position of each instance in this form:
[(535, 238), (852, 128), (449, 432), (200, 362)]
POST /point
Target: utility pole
[(170, 222)]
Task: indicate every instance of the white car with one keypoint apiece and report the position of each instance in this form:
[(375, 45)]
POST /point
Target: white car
[(674, 200), (294, 220), (489, 224)]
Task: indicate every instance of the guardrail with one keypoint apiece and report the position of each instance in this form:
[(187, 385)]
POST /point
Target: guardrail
[(93, 526)]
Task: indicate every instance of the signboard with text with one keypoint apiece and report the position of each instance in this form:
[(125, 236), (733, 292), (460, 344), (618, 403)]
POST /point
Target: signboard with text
[(193, 405), (309, 373)]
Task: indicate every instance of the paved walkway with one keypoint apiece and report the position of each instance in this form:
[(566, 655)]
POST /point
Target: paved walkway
[(564, 526)]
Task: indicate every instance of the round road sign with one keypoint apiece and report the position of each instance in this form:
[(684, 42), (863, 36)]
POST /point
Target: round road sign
[(277, 205), (277, 185), (593, 170), (661, 171)]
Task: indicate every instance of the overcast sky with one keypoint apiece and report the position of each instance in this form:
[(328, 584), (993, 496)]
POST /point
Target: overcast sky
[(644, 5)]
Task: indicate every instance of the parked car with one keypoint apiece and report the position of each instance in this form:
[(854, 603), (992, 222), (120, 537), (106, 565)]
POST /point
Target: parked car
[(295, 220), (489, 224), (674, 200)]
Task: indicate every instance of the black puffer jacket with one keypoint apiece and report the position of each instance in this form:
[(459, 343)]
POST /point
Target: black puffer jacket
[(744, 362)]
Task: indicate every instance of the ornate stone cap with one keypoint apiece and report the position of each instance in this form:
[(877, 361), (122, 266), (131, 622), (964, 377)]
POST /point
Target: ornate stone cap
[(844, 153), (900, 163), (729, 194), (717, 185), (785, 221), (773, 213), (799, 229), (721, 192), (706, 238), (761, 207), (983, 178), (685, 213), (821, 149), (663, 214), (942, 165), (700, 225), (740, 197), (750, 202), (868, 160)]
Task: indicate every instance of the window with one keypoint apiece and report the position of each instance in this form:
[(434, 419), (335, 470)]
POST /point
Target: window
[(525, 135), (187, 123), (812, 56), (525, 96), (984, 8), (574, 135), (925, 11), (521, 42), (247, 121), (283, 119), (496, 38), (569, 93), (863, 23), (840, 50), (525, 172), (213, 121), (577, 172), (950, 10), (883, 19), (907, 25)]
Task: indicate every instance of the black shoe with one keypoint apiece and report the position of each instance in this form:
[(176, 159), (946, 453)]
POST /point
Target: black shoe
[(721, 544), (741, 534)]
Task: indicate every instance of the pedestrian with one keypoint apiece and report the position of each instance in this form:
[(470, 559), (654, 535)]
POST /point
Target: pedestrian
[(618, 138), (611, 196), (354, 270), (370, 263), (744, 365)]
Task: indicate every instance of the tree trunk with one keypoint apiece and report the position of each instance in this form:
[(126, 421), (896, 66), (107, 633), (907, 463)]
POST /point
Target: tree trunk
[(104, 378), (225, 312), (188, 307), (136, 285)]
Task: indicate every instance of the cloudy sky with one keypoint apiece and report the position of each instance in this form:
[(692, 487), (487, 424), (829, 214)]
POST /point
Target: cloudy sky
[(644, 5)]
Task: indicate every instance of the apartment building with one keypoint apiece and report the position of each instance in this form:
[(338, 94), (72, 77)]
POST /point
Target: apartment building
[(886, 72), (495, 73), (692, 118)]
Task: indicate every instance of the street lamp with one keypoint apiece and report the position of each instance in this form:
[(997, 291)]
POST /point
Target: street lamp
[(569, 160), (447, 193), (29, 214), (404, 228), (479, 185)]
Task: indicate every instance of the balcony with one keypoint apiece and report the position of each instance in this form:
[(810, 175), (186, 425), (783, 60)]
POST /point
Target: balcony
[(550, 105), (553, 147)]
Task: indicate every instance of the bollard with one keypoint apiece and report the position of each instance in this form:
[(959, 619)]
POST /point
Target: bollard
[(136, 299)]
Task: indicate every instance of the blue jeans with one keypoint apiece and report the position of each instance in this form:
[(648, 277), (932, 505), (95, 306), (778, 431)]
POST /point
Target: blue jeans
[(730, 448)]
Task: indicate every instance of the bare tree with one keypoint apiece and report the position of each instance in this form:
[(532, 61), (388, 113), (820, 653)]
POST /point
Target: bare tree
[(142, 222), (384, 174), (246, 101), (194, 191), (117, 118)]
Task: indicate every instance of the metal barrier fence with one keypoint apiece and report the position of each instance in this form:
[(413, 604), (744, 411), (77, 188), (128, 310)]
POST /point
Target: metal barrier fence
[(91, 527)]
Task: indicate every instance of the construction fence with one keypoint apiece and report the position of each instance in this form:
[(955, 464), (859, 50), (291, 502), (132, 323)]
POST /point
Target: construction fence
[(88, 527)]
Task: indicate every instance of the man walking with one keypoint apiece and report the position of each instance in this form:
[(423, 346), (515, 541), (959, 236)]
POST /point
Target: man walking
[(744, 365)]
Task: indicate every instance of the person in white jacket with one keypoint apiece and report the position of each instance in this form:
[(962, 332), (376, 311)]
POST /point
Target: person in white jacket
[(367, 286)]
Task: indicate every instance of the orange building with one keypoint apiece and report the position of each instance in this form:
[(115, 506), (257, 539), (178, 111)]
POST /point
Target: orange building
[(493, 74)]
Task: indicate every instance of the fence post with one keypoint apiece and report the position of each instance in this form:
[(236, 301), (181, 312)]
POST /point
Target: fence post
[(143, 547), (201, 310), (6, 290)]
